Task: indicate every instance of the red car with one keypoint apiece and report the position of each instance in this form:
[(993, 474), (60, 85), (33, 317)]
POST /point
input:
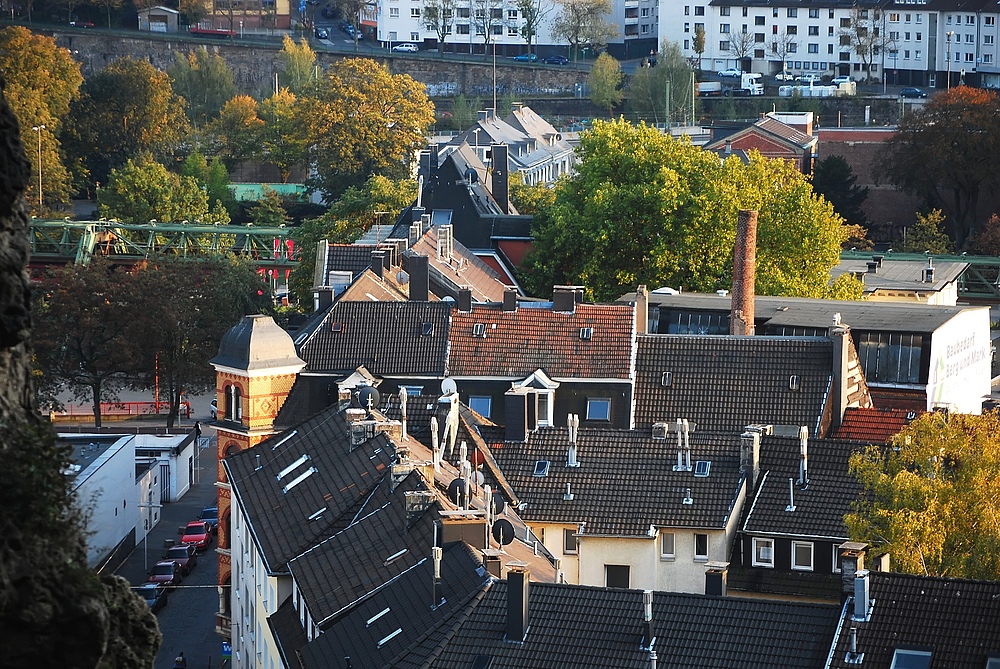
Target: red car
[(184, 556), (197, 534), (165, 572)]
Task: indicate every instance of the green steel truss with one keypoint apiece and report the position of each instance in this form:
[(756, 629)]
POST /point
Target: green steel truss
[(979, 281)]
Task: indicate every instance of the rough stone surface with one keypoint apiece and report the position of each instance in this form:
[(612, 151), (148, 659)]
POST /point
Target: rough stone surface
[(54, 611)]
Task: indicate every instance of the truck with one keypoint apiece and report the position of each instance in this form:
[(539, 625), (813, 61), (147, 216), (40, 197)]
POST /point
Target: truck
[(751, 83), (710, 88)]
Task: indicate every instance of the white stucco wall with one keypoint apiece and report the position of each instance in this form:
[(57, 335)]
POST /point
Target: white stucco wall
[(109, 497), (959, 372)]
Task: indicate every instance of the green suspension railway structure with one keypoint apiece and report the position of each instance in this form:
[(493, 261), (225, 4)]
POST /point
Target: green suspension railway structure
[(63, 242)]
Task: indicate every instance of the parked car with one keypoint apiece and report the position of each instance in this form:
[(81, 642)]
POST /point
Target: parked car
[(210, 515), (185, 556), (327, 12), (406, 47), (784, 76), (557, 60), (198, 534), (808, 78), (911, 92), (526, 57), (837, 81), (321, 33), (215, 409), (730, 72), (154, 594), (165, 572), (81, 24)]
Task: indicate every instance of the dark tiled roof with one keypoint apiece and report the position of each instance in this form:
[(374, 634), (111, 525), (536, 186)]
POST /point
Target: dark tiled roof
[(625, 481), (875, 426), (516, 343), (811, 584), (353, 258), (385, 337), (957, 619), (287, 631), (820, 506), (723, 383), (403, 604), (343, 478), (590, 628)]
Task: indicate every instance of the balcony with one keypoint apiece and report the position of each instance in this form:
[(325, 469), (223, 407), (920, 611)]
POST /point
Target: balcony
[(224, 626)]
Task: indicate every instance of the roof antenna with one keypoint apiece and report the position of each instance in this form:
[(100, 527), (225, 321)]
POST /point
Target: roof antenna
[(804, 460)]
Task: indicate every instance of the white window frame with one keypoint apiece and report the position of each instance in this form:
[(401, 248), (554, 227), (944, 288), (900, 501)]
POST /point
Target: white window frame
[(697, 556), (412, 391), (761, 543), (812, 556), (567, 534), (665, 538), (473, 399), (594, 402)]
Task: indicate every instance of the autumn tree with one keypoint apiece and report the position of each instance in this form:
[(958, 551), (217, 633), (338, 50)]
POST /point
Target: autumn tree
[(645, 208), (355, 211), (944, 154), (42, 80), (363, 121), (986, 242), (698, 45), (205, 81), (145, 190), (605, 82), (927, 235), (83, 316), (438, 16), (931, 499), (581, 24), (834, 179), (647, 87), (280, 144), (126, 109), (236, 133), (298, 62)]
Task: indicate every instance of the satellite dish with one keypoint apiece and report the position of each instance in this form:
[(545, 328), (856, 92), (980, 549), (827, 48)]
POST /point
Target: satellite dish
[(448, 386), (369, 398), (503, 531), (477, 458), (478, 478), (402, 278), (457, 491), (498, 504)]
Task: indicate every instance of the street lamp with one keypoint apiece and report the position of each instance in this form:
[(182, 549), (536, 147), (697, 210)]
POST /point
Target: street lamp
[(38, 129), (949, 35)]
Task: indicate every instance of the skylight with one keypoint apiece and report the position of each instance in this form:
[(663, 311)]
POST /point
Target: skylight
[(427, 329), (541, 468), (479, 330), (702, 467), (911, 659), (586, 333)]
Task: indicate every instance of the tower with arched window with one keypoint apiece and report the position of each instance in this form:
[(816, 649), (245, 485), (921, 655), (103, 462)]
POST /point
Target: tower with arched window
[(254, 370)]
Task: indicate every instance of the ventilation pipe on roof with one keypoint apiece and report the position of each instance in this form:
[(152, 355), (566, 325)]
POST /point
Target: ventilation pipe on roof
[(862, 600), (572, 425), (929, 270), (791, 495), (438, 595), (679, 467), (568, 497), (741, 317), (435, 445), (687, 445), (652, 659), (648, 637), (402, 411), (642, 310), (853, 656), (804, 459)]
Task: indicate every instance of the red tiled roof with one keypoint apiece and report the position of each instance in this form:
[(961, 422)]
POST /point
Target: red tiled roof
[(516, 343), (875, 426)]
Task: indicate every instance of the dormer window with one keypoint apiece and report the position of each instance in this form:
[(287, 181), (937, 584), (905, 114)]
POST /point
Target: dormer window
[(586, 333), (479, 330)]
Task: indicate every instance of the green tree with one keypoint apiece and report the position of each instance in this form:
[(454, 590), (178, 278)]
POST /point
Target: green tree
[(236, 133), (648, 86), (145, 190), (42, 80), (126, 109), (528, 200), (363, 121), (298, 61), (354, 212), (269, 211), (464, 111), (927, 234), (698, 45), (605, 81), (205, 81), (644, 208), (109, 5), (193, 11), (944, 153), (83, 316), (188, 305), (280, 144), (834, 179), (439, 16), (211, 177), (931, 500), (581, 24)]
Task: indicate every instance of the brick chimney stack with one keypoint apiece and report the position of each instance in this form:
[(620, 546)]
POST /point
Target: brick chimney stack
[(741, 317)]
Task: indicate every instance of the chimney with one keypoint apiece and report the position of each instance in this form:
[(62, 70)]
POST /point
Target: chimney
[(425, 223), (716, 575), (729, 148), (840, 334), (750, 456), (862, 595), (324, 299), (516, 405), (417, 501), (872, 267), (465, 300), (491, 560), (438, 597), (878, 258), (648, 633), (929, 270), (415, 232), (852, 560), (641, 310), (432, 161), (416, 214), (573, 426), (532, 422), (501, 181), (804, 456), (378, 263), (419, 278), (482, 114), (446, 414), (564, 299), (446, 243), (741, 317), (509, 299), (517, 602)]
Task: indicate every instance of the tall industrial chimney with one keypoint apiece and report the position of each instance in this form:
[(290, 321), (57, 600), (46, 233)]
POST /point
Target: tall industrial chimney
[(744, 273)]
